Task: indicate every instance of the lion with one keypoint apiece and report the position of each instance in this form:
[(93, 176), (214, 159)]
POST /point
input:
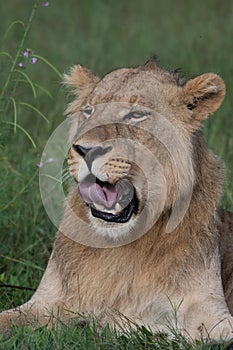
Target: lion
[(141, 235)]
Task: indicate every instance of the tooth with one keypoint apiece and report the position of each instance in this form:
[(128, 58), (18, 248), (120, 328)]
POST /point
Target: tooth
[(118, 208), (99, 207), (112, 211)]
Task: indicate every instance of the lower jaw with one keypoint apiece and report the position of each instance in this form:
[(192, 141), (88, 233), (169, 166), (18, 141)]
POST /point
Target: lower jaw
[(123, 217)]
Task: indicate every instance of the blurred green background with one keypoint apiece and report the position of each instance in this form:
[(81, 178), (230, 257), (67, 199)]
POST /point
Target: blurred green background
[(196, 36)]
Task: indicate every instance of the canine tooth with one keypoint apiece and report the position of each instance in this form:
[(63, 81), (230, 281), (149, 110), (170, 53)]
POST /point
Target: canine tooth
[(118, 208), (99, 207)]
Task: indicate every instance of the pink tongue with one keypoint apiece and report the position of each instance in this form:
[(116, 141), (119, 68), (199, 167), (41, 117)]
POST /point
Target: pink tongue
[(93, 192)]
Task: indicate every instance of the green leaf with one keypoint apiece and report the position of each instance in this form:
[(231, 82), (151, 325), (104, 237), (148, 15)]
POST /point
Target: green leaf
[(11, 26), (34, 109), (37, 86), (24, 131), (23, 262), (3, 53), (15, 113), (28, 80), (49, 64), (44, 90)]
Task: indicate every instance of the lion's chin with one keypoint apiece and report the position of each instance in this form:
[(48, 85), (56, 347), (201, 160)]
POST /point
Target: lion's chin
[(122, 217)]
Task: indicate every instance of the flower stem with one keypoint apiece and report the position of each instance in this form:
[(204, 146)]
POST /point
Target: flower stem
[(19, 50)]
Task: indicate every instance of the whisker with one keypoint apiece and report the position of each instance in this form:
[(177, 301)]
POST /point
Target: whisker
[(73, 163)]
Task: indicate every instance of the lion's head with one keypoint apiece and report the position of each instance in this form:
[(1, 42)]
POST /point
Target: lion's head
[(133, 143)]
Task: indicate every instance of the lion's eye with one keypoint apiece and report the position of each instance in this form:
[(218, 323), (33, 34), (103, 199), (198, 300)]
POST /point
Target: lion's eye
[(88, 111), (136, 115)]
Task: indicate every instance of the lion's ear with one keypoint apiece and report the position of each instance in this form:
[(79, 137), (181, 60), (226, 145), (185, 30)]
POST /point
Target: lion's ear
[(203, 95), (80, 78)]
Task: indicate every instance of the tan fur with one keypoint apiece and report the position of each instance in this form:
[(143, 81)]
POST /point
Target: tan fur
[(150, 277)]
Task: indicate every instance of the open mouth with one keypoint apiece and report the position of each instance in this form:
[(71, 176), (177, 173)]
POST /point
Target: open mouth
[(112, 203)]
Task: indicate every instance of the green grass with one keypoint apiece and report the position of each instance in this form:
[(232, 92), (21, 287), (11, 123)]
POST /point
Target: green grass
[(91, 338), (103, 35)]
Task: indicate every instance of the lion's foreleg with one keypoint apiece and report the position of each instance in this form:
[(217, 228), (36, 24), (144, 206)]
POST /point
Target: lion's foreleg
[(208, 319), (44, 307), (204, 309)]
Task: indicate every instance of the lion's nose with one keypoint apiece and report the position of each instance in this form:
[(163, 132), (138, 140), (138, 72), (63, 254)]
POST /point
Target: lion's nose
[(82, 151), (91, 153)]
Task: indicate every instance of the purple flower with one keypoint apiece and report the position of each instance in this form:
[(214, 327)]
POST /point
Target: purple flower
[(33, 60), (49, 160), (20, 64), (45, 4), (25, 54), (40, 165)]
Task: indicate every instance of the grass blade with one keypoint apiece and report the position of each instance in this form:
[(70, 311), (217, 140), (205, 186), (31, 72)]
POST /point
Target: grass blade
[(18, 194), (43, 89), (34, 109), (11, 26), (29, 81), (15, 113), (22, 262), (3, 53), (24, 131), (49, 64)]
